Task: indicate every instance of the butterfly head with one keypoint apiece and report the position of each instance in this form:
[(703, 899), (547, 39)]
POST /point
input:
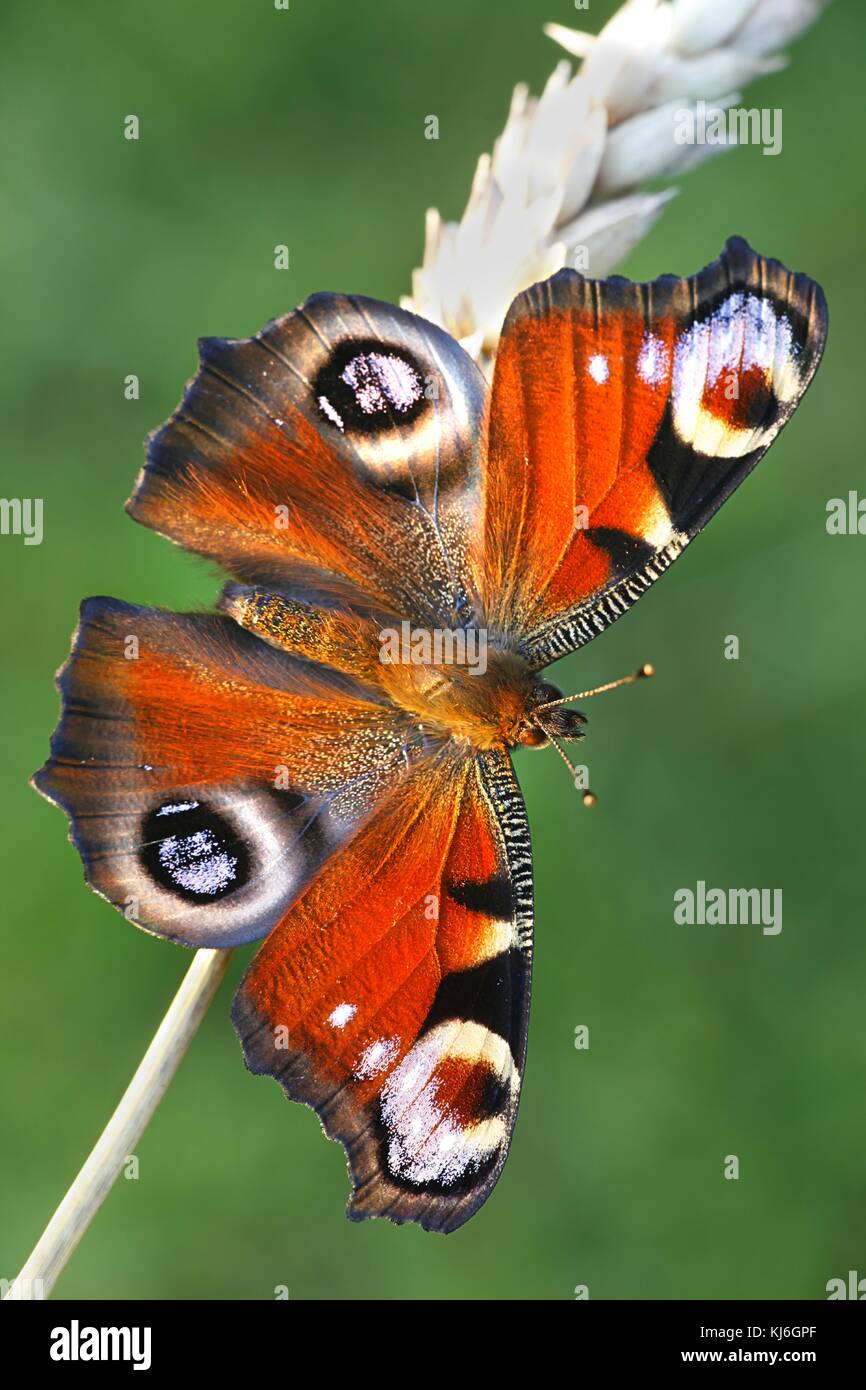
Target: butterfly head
[(546, 719)]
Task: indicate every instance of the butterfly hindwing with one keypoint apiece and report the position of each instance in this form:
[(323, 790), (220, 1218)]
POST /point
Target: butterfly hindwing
[(335, 454), (394, 996), (622, 416), (207, 775)]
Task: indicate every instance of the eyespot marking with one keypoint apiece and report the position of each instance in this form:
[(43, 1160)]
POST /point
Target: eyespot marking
[(193, 851), (369, 386), (446, 1108)]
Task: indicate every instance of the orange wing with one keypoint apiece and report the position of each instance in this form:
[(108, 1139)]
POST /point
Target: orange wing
[(207, 776), (393, 997), (333, 456), (622, 416)]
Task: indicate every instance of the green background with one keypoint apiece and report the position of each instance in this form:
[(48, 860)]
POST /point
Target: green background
[(306, 127)]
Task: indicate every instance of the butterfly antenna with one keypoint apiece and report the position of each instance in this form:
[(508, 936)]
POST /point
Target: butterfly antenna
[(589, 798), (643, 673)]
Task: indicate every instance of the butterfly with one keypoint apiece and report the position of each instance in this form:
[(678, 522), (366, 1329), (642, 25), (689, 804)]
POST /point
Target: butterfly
[(306, 766)]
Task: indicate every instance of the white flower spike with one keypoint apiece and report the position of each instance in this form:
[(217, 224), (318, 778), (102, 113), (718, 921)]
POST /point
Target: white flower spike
[(564, 185)]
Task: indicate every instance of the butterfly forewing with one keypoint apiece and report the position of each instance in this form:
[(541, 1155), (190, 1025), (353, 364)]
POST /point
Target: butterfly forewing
[(334, 454), (622, 416)]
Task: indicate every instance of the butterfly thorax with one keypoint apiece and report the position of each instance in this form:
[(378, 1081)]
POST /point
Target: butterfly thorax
[(453, 684), (485, 708)]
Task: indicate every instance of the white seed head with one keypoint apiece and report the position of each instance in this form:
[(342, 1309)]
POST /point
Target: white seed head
[(564, 184)]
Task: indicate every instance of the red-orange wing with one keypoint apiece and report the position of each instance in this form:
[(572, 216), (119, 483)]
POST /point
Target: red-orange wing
[(622, 416), (332, 456), (393, 997), (207, 775)]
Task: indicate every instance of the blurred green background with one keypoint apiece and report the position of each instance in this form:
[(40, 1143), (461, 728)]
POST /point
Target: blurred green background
[(306, 128)]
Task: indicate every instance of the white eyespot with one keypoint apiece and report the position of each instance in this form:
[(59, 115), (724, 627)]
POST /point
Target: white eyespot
[(598, 368), (339, 1017), (380, 380), (196, 862)]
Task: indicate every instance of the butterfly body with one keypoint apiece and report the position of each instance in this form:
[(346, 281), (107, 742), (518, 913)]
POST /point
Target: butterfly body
[(323, 764), (479, 694), (481, 710)]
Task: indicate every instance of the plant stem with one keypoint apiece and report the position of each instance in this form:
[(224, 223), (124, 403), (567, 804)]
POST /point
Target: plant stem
[(125, 1128)]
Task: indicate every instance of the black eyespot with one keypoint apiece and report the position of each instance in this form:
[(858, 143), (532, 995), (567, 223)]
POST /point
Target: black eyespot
[(369, 386), (191, 850), (493, 1098)]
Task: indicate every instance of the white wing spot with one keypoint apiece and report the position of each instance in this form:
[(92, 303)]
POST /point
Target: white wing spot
[(376, 1058), (197, 862), (333, 415), (339, 1017), (598, 368), (380, 380), (653, 360)]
